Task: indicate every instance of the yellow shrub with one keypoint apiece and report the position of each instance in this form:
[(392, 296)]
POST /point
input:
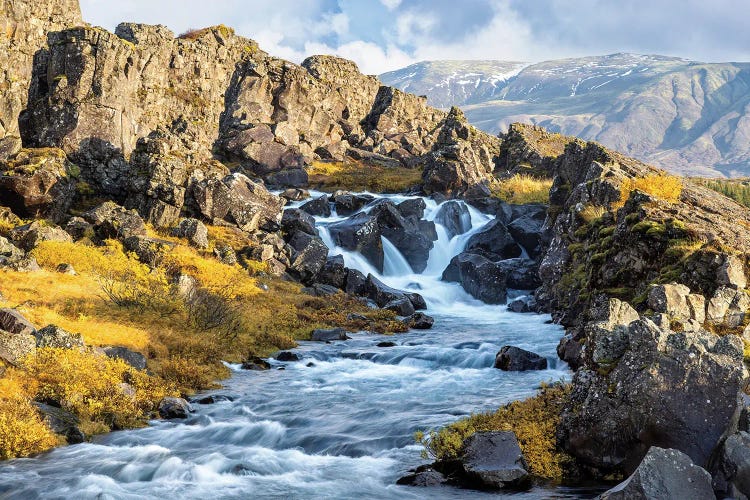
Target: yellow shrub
[(84, 258), (534, 422), (521, 189), (590, 213), (663, 186), (22, 431), (91, 386), (231, 282)]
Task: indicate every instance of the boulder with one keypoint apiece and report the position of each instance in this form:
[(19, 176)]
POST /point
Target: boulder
[(323, 335), (16, 346), (670, 299), (64, 268), (111, 221), (360, 233), (481, 278), (132, 358), (9, 252), (321, 290), (381, 293), (148, 250), (454, 217), (287, 356), (254, 363), (401, 306), (416, 300), (356, 283), (523, 274), (13, 321), (172, 408), (731, 273), (308, 258), (295, 194), (495, 242), (347, 203), (56, 337), (523, 305), (419, 321), (423, 476), (31, 235), (515, 359), (528, 230), (728, 307), (295, 219), (334, 272), (493, 460), (732, 468), (79, 228), (664, 474), (194, 231), (608, 330), (618, 410), (61, 422), (319, 206), (412, 208)]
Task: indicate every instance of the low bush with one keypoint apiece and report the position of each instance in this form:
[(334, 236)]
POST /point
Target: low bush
[(662, 186), (521, 189)]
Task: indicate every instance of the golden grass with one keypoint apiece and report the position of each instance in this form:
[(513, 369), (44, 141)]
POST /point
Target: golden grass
[(534, 422), (662, 186), (521, 189), (357, 176), (590, 213)]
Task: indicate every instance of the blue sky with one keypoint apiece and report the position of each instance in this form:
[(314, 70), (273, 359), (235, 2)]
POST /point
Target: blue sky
[(382, 35)]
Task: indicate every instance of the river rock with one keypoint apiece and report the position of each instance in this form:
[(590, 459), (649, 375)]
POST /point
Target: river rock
[(454, 217), (254, 363), (319, 206), (419, 321), (423, 476), (481, 278), (515, 359), (494, 242), (529, 231), (493, 460), (132, 358), (287, 356), (295, 219), (55, 337), (417, 301), (172, 408), (334, 272), (401, 306), (382, 294), (323, 335), (664, 474), (308, 258), (347, 203), (523, 305), (522, 274), (62, 422), (356, 283), (360, 233), (412, 208), (295, 194)]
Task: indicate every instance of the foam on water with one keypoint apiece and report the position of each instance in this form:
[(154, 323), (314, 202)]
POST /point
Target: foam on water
[(340, 428)]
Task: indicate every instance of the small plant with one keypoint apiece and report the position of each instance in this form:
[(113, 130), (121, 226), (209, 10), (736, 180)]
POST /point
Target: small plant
[(591, 213), (521, 189), (663, 186)]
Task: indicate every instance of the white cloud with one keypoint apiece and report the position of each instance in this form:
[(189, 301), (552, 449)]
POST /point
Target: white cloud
[(391, 4)]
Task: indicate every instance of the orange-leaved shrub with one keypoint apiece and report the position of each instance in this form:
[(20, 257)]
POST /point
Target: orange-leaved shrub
[(662, 185)]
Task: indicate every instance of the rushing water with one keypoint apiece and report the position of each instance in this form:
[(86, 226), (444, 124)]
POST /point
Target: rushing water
[(338, 424)]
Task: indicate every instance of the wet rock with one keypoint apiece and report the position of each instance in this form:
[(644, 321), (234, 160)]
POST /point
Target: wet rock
[(523, 305), (454, 217), (386, 344), (528, 230), (308, 258), (173, 408), (319, 206), (413, 207), (295, 194), (401, 306), (254, 363), (62, 422), (356, 283), (323, 335), (482, 279), (416, 300), (55, 337), (732, 469), (132, 358), (287, 356), (295, 219), (423, 476), (13, 321), (494, 242), (347, 203), (515, 359), (194, 231), (493, 460), (334, 272), (523, 274), (360, 233), (664, 474), (381, 293), (211, 399), (420, 321), (111, 221)]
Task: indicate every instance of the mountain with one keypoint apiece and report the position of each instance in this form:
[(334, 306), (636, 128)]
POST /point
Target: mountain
[(685, 116)]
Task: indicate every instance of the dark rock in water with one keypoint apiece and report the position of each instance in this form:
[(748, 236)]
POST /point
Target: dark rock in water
[(55, 337), (356, 282), (495, 242), (732, 469), (417, 301), (523, 305), (515, 359), (295, 194), (62, 422), (211, 399), (420, 321), (319, 206), (401, 306), (423, 476), (412, 244), (295, 219), (309, 256), (664, 474), (493, 460), (310, 364), (132, 358), (481, 278), (413, 207), (255, 363), (360, 233), (170, 408), (529, 232), (570, 350), (347, 203), (386, 344), (287, 356), (334, 272), (455, 217), (523, 274), (321, 290), (323, 335), (381, 293)]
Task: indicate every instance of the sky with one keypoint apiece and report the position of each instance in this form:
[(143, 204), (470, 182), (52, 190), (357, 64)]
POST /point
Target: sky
[(384, 35)]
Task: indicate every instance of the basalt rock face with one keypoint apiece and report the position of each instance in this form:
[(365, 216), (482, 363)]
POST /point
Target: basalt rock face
[(23, 39)]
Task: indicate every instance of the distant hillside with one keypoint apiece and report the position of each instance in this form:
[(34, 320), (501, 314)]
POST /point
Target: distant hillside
[(688, 117)]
